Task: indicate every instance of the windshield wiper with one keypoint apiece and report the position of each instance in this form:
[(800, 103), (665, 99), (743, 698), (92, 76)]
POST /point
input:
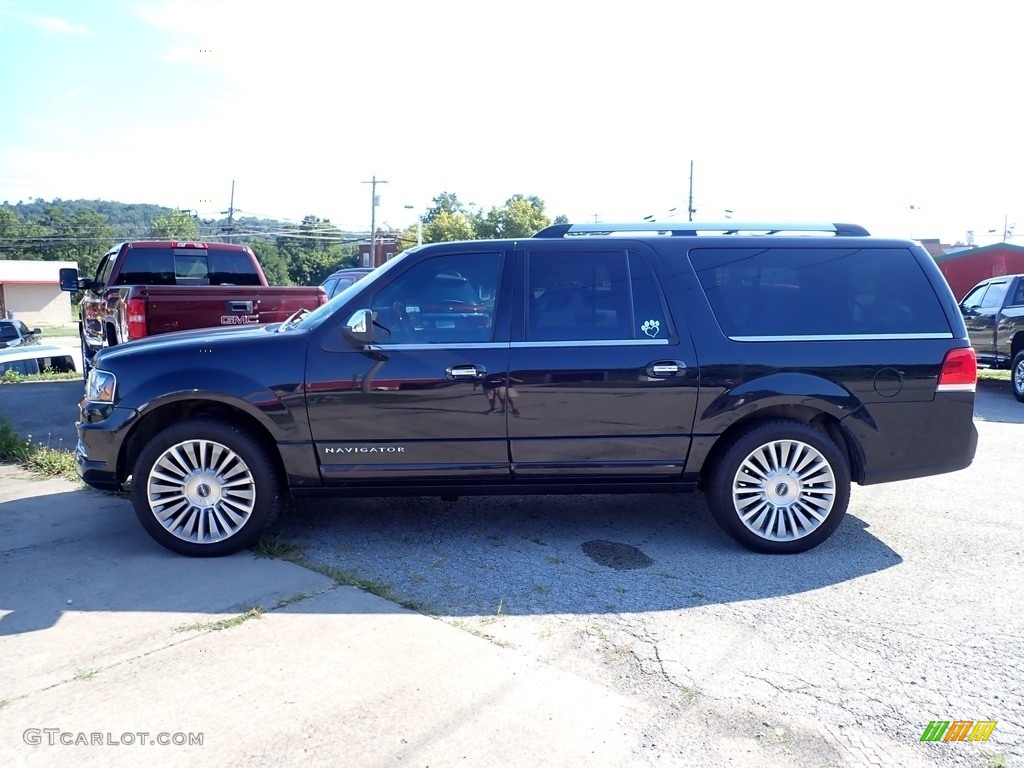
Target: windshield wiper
[(294, 317)]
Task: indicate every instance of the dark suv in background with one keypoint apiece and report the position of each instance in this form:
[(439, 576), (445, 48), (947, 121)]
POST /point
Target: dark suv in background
[(342, 279), (769, 366)]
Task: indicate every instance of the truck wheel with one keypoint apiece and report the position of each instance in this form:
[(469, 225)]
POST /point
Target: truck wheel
[(1017, 376), (205, 488), (781, 487)]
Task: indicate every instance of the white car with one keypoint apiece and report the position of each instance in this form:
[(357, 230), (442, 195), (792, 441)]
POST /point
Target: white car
[(36, 358)]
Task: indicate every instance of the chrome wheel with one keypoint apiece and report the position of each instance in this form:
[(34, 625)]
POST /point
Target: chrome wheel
[(201, 491), (1018, 376), (783, 490)]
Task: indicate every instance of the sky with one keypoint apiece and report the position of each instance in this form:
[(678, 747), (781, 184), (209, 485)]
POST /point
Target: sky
[(900, 115)]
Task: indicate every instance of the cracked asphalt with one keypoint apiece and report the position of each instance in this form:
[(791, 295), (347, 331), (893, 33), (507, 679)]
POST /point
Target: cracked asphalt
[(837, 657)]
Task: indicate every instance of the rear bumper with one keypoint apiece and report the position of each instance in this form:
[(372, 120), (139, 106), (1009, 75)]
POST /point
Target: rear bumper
[(899, 441)]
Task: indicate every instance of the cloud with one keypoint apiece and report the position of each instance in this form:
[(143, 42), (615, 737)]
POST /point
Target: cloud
[(65, 97), (60, 26)]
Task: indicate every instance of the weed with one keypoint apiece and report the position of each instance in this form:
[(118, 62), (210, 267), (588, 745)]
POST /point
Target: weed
[(277, 549), (205, 626), (86, 674), (35, 457), (555, 560), (4, 703), (995, 759), (286, 601), (466, 627)]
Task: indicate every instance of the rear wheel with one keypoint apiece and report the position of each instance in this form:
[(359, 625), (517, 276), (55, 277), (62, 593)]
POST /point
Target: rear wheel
[(781, 487), (1017, 376), (205, 488)]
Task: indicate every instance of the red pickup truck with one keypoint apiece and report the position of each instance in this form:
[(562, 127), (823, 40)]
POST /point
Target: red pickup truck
[(149, 287)]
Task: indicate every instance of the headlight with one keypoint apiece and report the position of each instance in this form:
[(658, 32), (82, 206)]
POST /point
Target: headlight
[(100, 386)]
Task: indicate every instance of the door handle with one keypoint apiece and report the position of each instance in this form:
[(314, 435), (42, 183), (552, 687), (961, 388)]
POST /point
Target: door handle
[(466, 372), (665, 369), (244, 307)]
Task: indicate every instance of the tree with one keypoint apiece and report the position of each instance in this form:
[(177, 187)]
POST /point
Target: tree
[(176, 225), (275, 266), (520, 217), (446, 202), (448, 226)]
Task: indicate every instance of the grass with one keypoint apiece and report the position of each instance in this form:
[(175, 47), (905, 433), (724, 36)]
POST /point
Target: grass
[(991, 374), (216, 626), (86, 674), (277, 549), (35, 457), (13, 377)]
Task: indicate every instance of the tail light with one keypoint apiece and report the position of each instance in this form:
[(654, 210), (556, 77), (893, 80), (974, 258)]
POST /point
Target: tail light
[(322, 298), (135, 318), (959, 371)]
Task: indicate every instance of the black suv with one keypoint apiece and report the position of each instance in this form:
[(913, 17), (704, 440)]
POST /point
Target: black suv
[(767, 365)]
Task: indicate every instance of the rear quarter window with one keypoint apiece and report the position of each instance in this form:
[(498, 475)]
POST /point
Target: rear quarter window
[(814, 291)]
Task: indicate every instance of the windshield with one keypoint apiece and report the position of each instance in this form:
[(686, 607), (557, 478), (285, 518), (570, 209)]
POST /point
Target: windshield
[(320, 314)]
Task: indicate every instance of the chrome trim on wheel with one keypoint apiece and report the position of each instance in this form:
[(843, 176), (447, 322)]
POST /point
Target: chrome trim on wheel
[(201, 491), (783, 490), (1018, 377)]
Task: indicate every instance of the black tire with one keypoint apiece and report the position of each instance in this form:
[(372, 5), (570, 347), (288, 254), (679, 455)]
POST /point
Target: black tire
[(1017, 376), (777, 472), (216, 512)]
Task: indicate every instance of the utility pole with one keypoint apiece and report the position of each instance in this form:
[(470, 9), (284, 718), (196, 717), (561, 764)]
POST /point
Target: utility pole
[(373, 217), (690, 207), (230, 228)]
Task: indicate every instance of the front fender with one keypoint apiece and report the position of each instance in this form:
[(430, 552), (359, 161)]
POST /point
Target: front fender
[(277, 407)]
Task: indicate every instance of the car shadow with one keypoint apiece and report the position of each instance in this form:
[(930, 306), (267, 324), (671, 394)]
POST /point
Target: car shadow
[(475, 556), (568, 554)]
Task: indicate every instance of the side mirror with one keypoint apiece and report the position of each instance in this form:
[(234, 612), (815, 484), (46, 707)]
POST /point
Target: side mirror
[(69, 279), (359, 328), (37, 331)]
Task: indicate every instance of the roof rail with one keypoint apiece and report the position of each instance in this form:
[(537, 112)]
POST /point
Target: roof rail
[(692, 228)]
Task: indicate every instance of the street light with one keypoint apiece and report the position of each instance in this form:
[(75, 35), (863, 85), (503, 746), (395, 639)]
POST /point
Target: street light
[(419, 225)]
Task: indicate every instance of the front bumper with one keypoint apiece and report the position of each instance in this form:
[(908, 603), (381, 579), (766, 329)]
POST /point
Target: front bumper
[(101, 433)]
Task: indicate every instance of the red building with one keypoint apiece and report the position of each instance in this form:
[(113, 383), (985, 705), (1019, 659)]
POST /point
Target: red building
[(386, 249), (966, 268)]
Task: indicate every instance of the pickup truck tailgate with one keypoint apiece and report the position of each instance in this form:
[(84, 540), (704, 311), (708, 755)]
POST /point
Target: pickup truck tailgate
[(171, 308)]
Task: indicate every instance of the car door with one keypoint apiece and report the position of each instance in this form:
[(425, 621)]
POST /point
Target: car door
[(413, 407), (602, 384), (980, 308)]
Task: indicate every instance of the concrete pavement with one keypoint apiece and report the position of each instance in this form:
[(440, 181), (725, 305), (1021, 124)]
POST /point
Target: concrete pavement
[(328, 675)]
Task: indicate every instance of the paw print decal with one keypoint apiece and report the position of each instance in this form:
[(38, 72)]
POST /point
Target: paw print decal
[(651, 327)]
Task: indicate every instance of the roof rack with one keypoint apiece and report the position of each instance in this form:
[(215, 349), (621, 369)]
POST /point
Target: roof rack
[(693, 228)]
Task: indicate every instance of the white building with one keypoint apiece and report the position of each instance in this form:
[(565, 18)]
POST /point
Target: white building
[(31, 291)]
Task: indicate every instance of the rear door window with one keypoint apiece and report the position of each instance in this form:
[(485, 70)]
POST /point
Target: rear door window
[(758, 293), (581, 295)]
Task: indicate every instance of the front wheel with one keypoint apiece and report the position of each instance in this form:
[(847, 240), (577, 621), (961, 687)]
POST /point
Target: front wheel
[(1017, 376), (205, 488), (781, 487)]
